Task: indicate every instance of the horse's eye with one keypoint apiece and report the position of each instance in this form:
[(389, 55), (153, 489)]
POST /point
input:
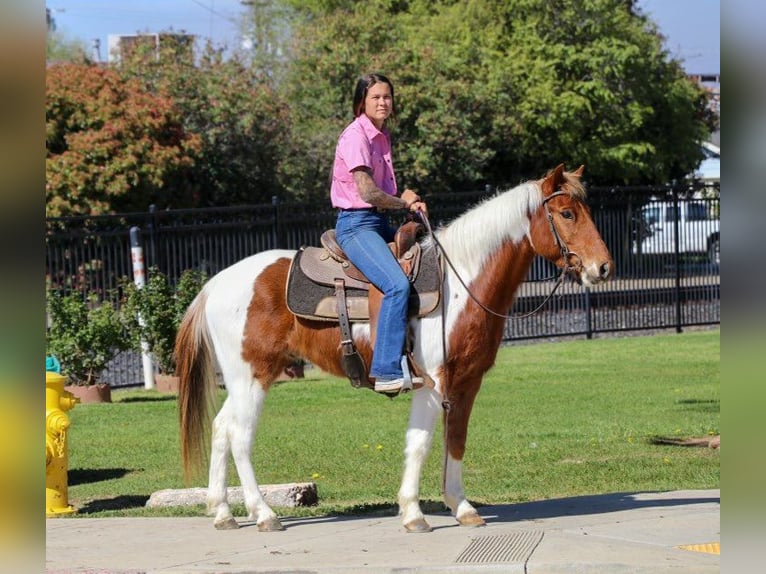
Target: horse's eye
[(566, 214)]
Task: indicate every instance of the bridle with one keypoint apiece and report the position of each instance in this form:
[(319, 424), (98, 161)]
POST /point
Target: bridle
[(566, 255)]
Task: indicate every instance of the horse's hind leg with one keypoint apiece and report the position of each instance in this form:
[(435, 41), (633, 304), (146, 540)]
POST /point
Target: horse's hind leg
[(233, 432), (246, 408), (217, 502)]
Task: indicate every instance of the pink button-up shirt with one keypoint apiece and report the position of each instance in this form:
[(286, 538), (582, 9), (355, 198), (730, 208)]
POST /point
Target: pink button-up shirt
[(361, 145)]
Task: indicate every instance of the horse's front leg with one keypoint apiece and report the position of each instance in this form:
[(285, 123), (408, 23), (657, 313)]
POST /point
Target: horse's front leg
[(457, 432), (426, 405)]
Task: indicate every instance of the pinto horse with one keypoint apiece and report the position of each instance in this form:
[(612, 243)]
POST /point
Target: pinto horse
[(240, 320)]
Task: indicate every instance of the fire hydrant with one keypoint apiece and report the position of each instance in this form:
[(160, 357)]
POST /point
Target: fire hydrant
[(57, 402)]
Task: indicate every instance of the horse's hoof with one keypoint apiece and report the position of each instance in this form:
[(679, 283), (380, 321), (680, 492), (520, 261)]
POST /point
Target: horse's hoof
[(270, 525), (227, 524), (471, 519), (418, 526)]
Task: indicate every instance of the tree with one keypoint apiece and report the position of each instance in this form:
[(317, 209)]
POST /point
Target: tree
[(265, 29), (233, 111), (57, 47), (498, 90), (111, 145)]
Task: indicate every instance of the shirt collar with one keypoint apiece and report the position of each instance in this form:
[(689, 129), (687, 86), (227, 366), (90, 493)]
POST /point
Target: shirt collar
[(369, 127)]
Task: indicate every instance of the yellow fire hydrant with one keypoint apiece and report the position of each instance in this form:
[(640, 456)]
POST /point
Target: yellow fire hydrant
[(57, 402)]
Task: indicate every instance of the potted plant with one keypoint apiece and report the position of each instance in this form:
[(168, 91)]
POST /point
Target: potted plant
[(84, 335), (154, 312)]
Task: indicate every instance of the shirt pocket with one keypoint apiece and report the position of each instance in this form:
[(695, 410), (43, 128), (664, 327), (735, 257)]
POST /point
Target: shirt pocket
[(379, 167)]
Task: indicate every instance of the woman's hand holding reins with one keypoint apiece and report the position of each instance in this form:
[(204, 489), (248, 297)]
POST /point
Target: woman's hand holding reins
[(414, 203)]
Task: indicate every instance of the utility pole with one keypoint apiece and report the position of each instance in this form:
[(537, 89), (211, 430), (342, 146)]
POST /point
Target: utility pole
[(96, 50)]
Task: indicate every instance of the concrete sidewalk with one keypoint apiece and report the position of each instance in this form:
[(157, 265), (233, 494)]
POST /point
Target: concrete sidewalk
[(637, 533)]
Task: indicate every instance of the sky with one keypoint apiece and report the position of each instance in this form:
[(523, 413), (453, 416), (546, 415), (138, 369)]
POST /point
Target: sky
[(692, 27)]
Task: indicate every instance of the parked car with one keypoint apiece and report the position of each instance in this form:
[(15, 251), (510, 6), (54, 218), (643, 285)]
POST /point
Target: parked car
[(690, 227)]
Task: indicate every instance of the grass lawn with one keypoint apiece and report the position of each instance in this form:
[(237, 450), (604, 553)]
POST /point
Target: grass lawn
[(551, 420)]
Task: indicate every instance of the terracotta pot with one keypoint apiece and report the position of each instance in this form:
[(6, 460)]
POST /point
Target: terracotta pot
[(98, 393), (166, 383)]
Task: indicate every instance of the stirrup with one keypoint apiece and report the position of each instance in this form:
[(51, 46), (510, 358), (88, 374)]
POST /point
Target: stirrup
[(408, 382), (407, 385)]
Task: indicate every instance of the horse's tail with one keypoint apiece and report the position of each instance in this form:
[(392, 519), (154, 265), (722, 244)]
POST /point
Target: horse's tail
[(195, 366)]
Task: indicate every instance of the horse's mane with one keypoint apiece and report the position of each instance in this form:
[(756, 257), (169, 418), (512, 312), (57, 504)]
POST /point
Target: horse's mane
[(483, 229)]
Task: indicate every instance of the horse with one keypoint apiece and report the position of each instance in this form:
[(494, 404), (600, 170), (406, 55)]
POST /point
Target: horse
[(240, 320)]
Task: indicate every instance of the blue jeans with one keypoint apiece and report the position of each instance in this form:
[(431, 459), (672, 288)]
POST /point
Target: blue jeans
[(363, 236)]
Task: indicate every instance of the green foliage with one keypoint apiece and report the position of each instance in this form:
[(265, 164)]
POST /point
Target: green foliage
[(500, 91), (486, 92), (59, 48), (84, 335), (552, 420), (154, 312)]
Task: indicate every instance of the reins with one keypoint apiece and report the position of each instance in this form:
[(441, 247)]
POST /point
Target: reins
[(565, 252)]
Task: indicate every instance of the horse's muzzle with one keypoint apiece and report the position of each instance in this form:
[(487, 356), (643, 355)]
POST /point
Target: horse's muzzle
[(596, 273)]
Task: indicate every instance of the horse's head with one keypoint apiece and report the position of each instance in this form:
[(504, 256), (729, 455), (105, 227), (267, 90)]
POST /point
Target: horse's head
[(563, 231)]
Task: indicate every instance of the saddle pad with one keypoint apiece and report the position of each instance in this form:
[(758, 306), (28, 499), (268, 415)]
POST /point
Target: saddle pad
[(311, 300)]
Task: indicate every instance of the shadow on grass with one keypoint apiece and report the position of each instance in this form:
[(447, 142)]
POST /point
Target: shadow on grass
[(88, 475), (149, 398), (701, 405), (117, 503)]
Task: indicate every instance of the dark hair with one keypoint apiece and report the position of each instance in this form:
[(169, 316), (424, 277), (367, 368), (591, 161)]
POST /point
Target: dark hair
[(362, 87)]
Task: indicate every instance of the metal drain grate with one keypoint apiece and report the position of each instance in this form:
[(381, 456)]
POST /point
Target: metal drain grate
[(516, 547)]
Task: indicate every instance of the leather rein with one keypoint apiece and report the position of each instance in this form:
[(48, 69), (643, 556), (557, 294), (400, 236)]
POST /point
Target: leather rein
[(566, 254)]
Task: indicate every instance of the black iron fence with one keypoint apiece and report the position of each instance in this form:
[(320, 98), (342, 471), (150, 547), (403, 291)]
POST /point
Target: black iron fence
[(664, 239)]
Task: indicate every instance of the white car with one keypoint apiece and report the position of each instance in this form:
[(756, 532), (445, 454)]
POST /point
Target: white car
[(687, 228)]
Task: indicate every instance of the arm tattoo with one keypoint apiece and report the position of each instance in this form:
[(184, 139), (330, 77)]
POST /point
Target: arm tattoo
[(371, 194)]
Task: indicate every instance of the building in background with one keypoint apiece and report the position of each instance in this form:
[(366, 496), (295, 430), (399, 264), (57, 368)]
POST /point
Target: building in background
[(121, 46)]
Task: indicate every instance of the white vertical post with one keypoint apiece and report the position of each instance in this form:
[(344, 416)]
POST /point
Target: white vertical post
[(139, 278)]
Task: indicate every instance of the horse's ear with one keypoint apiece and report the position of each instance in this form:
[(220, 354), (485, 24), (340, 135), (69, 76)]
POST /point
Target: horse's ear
[(579, 171), (552, 180)]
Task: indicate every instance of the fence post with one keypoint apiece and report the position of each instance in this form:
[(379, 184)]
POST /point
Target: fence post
[(153, 236), (139, 278), (588, 314), (277, 223), (677, 256)]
